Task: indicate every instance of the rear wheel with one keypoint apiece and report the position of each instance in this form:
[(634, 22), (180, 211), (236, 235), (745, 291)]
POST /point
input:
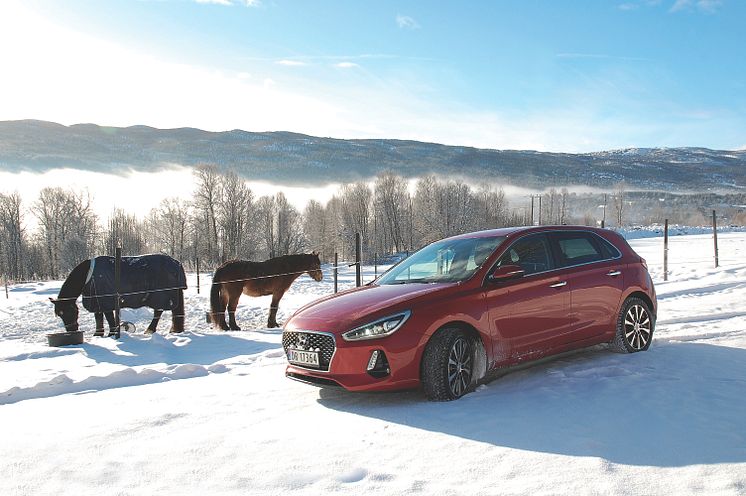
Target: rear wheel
[(448, 365), (634, 328)]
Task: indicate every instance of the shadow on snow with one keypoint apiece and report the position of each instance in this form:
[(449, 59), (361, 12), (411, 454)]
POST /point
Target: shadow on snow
[(677, 404)]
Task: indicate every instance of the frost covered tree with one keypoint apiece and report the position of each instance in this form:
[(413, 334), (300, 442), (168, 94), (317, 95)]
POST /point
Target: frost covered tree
[(237, 218), (12, 236), (126, 231), (206, 201), (356, 210), (64, 215), (391, 205), (619, 192)]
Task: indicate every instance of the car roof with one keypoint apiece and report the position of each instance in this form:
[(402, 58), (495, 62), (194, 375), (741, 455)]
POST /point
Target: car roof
[(513, 231)]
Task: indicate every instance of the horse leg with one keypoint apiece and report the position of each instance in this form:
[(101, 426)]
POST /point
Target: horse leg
[(99, 324), (177, 314), (272, 321), (225, 293), (232, 304), (112, 323), (154, 323)]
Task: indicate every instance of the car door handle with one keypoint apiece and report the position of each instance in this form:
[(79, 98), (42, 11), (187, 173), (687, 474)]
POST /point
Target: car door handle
[(558, 284), (614, 273)]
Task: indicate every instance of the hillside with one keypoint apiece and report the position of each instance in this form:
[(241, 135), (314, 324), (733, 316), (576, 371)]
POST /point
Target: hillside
[(296, 159)]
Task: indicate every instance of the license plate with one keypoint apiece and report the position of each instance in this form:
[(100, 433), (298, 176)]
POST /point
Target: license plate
[(310, 358)]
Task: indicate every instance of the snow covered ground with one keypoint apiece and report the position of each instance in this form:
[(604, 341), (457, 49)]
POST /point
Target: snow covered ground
[(211, 412)]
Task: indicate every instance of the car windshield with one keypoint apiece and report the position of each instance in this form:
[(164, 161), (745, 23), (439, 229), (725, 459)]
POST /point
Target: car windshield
[(450, 260)]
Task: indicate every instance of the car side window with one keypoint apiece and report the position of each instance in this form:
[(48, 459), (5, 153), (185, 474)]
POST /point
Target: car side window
[(530, 253), (578, 248)]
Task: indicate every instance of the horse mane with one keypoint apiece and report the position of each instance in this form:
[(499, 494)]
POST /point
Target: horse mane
[(287, 264), (73, 285)]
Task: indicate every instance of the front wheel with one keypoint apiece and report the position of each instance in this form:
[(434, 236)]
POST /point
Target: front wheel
[(634, 328), (448, 365)]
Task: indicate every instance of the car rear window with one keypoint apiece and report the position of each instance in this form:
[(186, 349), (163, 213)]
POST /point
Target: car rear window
[(577, 248)]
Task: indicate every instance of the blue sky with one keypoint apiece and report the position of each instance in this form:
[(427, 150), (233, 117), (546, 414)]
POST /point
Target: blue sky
[(545, 75)]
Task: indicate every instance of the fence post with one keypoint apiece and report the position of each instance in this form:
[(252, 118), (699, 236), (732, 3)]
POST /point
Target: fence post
[(375, 265), (358, 268), (665, 251), (6, 287), (197, 275), (715, 236), (117, 280), (336, 265)]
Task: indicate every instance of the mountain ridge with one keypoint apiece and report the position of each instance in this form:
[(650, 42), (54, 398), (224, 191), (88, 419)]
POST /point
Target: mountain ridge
[(296, 159)]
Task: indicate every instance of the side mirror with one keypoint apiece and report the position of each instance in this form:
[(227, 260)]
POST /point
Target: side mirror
[(506, 272)]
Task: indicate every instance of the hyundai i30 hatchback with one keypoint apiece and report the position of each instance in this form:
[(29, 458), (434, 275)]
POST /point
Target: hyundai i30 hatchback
[(445, 316)]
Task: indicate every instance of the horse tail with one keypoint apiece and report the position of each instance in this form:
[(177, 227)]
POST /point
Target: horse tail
[(215, 299)]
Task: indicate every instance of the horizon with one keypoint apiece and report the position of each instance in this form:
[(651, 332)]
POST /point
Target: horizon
[(280, 131), (560, 77)]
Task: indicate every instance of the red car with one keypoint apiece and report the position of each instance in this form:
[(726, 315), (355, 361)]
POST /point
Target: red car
[(462, 306)]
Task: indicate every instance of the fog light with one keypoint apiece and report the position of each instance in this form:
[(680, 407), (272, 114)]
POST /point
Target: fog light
[(373, 360), (378, 364)]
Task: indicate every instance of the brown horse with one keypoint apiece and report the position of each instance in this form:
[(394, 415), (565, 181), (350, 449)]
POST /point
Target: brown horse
[(271, 277)]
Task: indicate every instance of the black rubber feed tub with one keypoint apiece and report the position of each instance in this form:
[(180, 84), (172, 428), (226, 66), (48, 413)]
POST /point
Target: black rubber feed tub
[(65, 338)]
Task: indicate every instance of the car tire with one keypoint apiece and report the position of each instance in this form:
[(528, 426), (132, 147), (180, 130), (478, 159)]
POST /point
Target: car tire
[(634, 327), (448, 365)]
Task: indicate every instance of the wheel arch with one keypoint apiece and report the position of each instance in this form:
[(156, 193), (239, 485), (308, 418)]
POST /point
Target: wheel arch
[(471, 331), (644, 297)]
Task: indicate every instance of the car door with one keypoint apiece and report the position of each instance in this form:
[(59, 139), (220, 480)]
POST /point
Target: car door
[(592, 270), (529, 313)]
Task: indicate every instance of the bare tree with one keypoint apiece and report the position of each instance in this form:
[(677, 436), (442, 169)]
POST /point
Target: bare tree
[(356, 214), (12, 236), (169, 224), (391, 205), (563, 206), (290, 237), (491, 206), (265, 207), (314, 227), (64, 215), (619, 191), (206, 199), (126, 231), (236, 218)]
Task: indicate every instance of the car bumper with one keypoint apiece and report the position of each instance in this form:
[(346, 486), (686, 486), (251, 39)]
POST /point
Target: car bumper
[(349, 365)]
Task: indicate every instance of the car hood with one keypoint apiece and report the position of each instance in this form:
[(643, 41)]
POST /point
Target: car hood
[(349, 309)]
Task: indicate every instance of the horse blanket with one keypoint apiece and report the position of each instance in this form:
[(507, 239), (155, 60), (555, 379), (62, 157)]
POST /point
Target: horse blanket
[(145, 281)]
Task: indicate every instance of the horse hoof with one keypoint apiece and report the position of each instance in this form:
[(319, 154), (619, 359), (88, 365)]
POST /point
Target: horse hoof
[(149, 331), (98, 334), (235, 328)]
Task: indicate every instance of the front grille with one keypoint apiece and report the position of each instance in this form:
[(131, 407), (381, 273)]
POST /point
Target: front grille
[(311, 341)]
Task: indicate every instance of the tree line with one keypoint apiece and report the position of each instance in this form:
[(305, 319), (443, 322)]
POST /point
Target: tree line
[(224, 219)]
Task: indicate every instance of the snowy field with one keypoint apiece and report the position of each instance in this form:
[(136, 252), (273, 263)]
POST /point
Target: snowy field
[(210, 412)]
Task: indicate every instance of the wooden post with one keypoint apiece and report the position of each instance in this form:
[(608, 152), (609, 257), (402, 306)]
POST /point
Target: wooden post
[(665, 251), (197, 275), (336, 265), (603, 220), (117, 280), (715, 236), (532, 210), (375, 265), (358, 268), (539, 209), (6, 287)]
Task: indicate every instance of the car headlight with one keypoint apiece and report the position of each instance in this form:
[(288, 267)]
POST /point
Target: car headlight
[(378, 329)]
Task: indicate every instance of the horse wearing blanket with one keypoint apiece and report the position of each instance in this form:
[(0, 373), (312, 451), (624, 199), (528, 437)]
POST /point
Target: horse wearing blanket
[(155, 281)]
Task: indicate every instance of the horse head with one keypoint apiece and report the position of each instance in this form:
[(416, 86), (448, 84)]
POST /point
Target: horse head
[(315, 270), (67, 310)]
